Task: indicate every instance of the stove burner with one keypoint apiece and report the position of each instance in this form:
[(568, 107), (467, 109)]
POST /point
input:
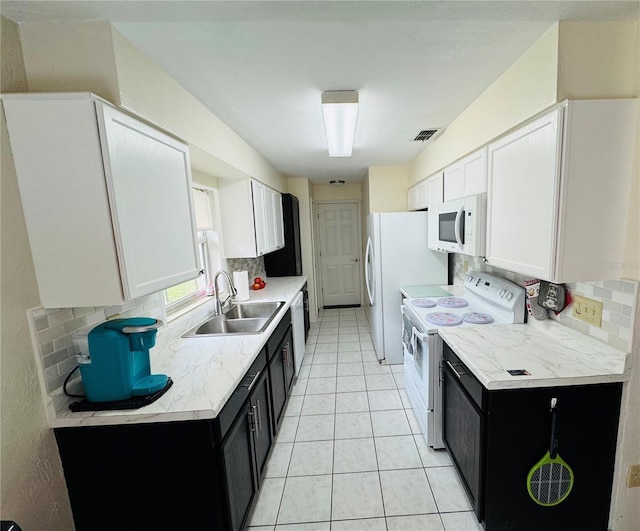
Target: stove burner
[(423, 303), (452, 302), (477, 318), (443, 319)]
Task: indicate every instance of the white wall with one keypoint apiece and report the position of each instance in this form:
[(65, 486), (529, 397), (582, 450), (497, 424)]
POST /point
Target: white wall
[(32, 484), (524, 89), (95, 57), (387, 189)]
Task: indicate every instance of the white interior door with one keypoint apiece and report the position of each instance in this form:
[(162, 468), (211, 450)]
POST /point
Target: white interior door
[(339, 227)]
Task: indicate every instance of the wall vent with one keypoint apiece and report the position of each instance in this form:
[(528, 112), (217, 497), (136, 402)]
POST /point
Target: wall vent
[(427, 134)]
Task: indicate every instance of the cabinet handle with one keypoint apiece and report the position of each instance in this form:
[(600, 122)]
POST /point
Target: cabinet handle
[(256, 424), (458, 374), (259, 415), (253, 381)]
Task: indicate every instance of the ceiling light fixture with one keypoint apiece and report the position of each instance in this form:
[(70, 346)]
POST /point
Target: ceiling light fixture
[(340, 109), (337, 182)]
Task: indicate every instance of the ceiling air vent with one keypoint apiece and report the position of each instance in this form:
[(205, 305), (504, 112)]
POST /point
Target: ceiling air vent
[(427, 134)]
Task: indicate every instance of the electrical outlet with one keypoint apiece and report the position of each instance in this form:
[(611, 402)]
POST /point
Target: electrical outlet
[(633, 476), (587, 310)]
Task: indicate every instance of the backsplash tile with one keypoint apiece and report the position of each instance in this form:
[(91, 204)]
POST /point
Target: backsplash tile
[(255, 266), (53, 331), (617, 296)]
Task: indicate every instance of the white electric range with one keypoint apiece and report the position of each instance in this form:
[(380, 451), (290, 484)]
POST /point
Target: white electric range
[(484, 300)]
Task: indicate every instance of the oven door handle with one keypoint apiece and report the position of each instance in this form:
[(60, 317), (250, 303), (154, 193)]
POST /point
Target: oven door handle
[(415, 337), (458, 374)]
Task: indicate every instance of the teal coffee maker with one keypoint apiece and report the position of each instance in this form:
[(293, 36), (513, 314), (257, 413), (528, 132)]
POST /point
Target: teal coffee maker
[(118, 367)]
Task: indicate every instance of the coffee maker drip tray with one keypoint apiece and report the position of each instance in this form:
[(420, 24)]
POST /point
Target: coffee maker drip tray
[(135, 402)]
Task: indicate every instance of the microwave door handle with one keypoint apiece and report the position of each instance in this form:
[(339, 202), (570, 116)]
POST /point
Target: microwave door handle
[(457, 225)]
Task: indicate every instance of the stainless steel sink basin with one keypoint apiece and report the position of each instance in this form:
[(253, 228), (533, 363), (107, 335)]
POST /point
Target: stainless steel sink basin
[(250, 310), (240, 319)]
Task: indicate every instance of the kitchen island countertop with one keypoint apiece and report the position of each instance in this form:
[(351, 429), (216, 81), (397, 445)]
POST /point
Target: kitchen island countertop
[(205, 370), (553, 354)]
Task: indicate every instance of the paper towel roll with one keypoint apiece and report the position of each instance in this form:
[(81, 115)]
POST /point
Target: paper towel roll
[(241, 282)]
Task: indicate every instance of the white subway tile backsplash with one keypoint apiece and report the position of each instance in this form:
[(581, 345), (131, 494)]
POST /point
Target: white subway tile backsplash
[(55, 329), (617, 296)]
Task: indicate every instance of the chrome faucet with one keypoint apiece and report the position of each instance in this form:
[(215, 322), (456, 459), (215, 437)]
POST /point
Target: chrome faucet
[(218, 305)]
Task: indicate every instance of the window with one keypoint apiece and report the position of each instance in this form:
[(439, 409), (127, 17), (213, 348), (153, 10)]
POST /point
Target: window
[(185, 294)]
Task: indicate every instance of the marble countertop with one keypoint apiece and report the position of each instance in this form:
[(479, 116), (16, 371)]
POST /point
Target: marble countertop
[(205, 371), (553, 354)]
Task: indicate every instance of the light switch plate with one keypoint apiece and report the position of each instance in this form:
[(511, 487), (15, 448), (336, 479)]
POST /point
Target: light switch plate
[(633, 476), (587, 310)]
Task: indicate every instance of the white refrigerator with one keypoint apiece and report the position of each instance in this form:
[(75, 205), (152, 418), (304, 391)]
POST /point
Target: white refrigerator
[(397, 255)]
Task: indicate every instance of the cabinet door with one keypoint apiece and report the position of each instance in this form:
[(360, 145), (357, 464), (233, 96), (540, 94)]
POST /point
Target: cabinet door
[(260, 217), (474, 171), (423, 195), (148, 180), (259, 403), (417, 196), (435, 192), (453, 182), (278, 221), (278, 388), (237, 454), (289, 365), (522, 202), (466, 177)]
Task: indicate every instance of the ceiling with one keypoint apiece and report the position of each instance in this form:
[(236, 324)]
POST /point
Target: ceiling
[(260, 66)]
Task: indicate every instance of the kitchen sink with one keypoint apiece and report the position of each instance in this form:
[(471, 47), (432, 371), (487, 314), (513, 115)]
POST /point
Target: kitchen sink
[(250, 310), (240, 319)]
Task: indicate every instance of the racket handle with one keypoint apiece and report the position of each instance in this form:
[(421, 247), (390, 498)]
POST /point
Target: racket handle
[(553, 443)]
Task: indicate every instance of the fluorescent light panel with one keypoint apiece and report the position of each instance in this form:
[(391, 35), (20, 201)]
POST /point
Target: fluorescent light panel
[(340, 109)]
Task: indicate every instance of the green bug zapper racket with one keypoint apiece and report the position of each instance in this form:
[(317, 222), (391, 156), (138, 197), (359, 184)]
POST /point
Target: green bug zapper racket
[(551, 479)]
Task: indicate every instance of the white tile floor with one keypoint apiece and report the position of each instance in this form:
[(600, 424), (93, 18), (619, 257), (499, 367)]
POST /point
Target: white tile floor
[(348, 456)]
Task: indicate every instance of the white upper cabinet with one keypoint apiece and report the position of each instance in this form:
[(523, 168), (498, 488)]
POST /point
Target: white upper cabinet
[(418, 196), (435, 193), (559, 192), (467, 176), (107, 200), (252, 223)]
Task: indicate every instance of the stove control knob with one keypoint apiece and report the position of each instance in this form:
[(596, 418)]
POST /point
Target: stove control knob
[(501, 293), (508, 295)]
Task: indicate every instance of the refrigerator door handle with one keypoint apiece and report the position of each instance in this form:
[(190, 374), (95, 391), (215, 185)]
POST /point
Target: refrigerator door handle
[(368, 258)]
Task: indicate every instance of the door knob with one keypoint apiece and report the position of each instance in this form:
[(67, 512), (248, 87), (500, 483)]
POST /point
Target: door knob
[(355, 260)]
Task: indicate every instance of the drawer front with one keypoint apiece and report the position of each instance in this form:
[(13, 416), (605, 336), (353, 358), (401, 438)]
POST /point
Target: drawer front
[(274, 341), (240, 395)]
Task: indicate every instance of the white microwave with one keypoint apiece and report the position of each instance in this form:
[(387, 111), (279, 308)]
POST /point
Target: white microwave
[(462, 226)]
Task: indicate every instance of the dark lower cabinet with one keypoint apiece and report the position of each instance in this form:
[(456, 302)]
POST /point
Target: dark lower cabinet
[(260, 416), (281, 371), (143, 476), (237, 456), (201, 474), (496, 437), (245, 449)]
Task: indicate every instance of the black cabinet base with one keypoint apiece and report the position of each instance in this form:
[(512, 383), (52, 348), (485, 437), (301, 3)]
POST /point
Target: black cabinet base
[(518, 437), (142, 476)]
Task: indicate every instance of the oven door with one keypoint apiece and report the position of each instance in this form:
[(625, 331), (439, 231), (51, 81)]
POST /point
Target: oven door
[(422, 356)]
